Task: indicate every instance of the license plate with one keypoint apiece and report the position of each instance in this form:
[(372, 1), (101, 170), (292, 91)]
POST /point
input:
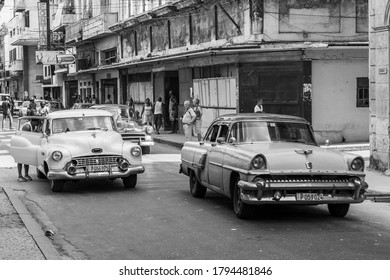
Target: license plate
[(309, 196), (98, 168)]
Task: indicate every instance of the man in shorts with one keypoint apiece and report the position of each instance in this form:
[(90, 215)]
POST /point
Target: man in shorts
[(6, 107)]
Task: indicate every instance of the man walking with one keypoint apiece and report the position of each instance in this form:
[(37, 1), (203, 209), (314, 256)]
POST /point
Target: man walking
[(6, 107)]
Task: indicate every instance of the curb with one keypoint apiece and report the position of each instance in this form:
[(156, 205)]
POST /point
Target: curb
[(168, 142), (36, 232)]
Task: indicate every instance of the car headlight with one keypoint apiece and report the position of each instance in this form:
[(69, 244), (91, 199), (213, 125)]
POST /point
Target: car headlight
[(56, 155), (357, 164), (135, 151), (148, 138), (148, 129), (258, 162)]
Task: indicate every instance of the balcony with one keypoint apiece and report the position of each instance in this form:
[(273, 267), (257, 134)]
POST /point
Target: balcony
[(73, 32), (20, 6), (63, 20), (16, 65), (22, 36), (97, 27)]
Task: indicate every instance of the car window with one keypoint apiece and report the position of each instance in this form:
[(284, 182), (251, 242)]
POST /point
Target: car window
[(31, 125), (82, 124), (211, 136)]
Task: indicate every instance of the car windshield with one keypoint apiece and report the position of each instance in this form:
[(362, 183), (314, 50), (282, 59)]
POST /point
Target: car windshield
[(82, 124), (259, 131)]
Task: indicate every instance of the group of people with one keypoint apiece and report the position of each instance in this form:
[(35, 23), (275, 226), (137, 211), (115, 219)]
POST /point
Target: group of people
[(152, 114)]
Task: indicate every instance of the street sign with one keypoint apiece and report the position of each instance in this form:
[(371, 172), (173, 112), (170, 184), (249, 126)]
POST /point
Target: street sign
[(63, 59)]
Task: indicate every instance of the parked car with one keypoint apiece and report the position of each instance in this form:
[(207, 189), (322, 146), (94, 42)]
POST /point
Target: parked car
[(81, 105), (263, 158), (73, 145), (129, 128)]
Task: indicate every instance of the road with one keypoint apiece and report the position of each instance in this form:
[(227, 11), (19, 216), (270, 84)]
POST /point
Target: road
[(159, 219)]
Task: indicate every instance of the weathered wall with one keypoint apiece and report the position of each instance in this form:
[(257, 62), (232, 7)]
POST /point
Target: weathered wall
[(335, 114), (379, 84)]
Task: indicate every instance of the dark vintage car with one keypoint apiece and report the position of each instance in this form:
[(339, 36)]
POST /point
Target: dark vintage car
[(129, 128), (263, 158)]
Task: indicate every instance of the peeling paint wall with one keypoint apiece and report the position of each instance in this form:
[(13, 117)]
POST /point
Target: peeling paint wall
[(203, 26), (180, 31), (160, 40)]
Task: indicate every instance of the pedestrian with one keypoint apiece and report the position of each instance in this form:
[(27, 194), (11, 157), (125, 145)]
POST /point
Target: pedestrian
[(158, 114), (131, 108), (32, 108), (173, 111), (6, 107), (108, 100), (147, 112), (259, 106), (45, 108), (188, 119), (26, 176), (198, 121), (12, 103)]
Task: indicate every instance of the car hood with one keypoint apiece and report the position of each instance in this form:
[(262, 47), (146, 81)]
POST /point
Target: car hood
[(297, 157), (82, 142)]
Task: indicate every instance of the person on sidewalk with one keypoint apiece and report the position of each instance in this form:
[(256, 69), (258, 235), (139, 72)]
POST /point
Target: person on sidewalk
[(158, 114), (147, 112), (173, 111), (259, 106), (26, 176), (6, 107), (188, 119), (108, 100), (198, 122)]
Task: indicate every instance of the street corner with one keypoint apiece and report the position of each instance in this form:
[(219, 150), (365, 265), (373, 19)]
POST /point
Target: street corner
[(21, 237)]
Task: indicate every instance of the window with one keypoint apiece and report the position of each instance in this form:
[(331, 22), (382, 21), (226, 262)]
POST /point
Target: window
[(27, 19), (213, 134), (362, 92)]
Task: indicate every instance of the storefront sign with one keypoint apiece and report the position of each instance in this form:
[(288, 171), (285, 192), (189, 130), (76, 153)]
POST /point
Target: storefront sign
[(42, 22), (63, 59), (47, 57)]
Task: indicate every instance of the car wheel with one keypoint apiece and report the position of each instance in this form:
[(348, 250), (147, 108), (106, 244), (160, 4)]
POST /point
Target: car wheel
[(241, 209), (338, 210), (40, 175), (196, 188), (57, 185), (130, 181), (145, 150)]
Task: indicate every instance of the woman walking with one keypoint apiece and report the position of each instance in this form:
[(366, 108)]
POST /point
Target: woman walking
[(198, 122), (147, 112)]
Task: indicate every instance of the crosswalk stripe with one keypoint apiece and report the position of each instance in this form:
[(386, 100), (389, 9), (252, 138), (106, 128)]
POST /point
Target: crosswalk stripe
[(7, 161)]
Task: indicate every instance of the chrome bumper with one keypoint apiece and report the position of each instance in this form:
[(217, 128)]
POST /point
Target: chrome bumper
[(64, 175), (146, 143), (257, 196)]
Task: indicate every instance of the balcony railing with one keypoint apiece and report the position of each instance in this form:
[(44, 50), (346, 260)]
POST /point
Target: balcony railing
[(16, 65), (63, 20), (97, 27), (74, 32)]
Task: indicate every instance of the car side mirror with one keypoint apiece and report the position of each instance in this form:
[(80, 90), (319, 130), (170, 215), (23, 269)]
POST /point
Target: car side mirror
[(221, 140), (232, 141)]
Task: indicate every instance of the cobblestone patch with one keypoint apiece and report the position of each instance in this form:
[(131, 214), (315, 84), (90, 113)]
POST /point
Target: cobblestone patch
[(16, 243)]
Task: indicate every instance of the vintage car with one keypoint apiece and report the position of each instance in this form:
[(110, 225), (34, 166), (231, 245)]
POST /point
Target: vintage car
[(129, 128), (263, 158), (72, 145), (81, 106)]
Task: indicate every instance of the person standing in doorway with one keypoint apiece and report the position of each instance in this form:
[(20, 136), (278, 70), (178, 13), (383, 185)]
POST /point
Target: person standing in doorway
[(108, 100), (188, 119), (173, 111), (147, 112), (259, 106), (131, 105), (158, 114), (198, 121)]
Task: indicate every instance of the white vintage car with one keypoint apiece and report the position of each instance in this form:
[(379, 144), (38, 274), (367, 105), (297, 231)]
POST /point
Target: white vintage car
[(262, 158), (76, 145)]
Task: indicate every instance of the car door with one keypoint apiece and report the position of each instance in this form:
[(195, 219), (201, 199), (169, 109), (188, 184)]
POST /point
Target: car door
[(216, 156), (27, 141)]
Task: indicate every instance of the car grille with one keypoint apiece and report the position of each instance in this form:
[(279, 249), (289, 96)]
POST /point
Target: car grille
[(133, 137), (96, 160), (306, 179)]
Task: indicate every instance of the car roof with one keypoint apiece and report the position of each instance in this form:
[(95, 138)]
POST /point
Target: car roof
[(99, 106), (78, 113), (259, 116)]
